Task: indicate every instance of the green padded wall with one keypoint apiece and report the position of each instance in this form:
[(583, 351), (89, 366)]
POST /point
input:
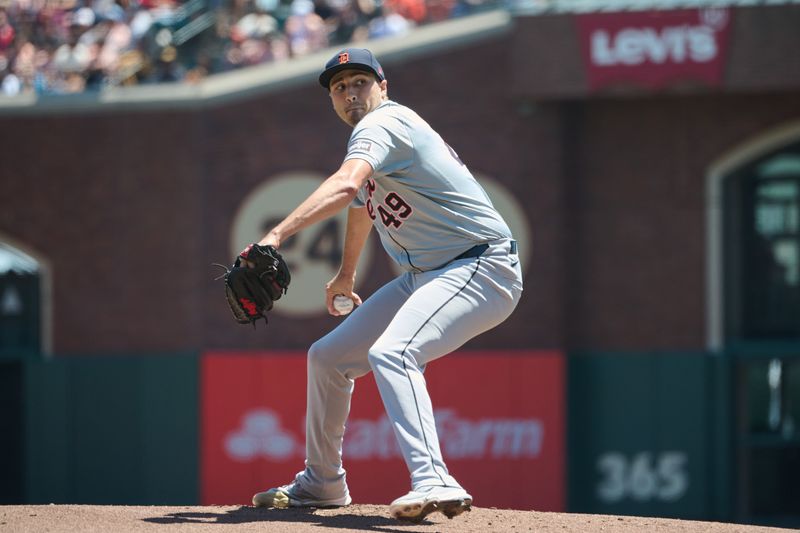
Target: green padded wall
[(642, 436), (112, 430)]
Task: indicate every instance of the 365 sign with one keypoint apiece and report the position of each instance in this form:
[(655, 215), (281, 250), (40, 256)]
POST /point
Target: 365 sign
[(654, 49), (642, 477)]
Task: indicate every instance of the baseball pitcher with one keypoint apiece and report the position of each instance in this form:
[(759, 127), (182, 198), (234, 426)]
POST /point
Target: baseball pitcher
[(461, 277)]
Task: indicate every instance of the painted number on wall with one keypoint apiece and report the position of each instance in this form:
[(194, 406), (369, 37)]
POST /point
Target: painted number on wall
[(313, 255), (644, 476)]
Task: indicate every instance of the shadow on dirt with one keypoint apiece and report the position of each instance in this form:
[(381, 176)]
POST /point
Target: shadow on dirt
[(246, 514)]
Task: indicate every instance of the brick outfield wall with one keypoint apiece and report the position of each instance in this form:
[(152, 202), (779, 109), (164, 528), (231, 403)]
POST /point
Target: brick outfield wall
[(613, 191)]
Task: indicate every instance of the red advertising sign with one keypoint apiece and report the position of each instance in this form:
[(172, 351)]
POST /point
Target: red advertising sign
[(654, 48), (500, 417)]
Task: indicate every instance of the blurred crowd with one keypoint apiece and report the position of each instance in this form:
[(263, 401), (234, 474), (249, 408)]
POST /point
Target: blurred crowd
[(68, 46)]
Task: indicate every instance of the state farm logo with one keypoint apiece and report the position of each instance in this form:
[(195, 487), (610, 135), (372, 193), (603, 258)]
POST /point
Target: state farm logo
[(635, 46), (261, 435)]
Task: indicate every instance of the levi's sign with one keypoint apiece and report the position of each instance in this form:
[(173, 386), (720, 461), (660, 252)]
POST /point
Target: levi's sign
[(654, 49)]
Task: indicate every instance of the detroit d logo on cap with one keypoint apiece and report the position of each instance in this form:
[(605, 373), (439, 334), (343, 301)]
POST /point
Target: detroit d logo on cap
[(344, 57)]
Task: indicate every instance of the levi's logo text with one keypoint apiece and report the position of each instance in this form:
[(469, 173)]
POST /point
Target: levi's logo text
[(393, 211), (344, 58), (655, 49)]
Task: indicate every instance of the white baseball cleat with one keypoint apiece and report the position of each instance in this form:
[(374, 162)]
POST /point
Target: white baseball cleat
[(417, 504), (293, 495)]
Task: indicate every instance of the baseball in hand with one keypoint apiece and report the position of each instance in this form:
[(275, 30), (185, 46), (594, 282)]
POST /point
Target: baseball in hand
[(342, 304)]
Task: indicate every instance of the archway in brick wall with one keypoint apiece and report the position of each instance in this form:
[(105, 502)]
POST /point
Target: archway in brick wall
[(753, 320), (23, 337), (25, 301), (20, 316)]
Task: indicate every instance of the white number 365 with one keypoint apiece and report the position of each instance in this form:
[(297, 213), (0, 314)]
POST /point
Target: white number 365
[(642, 477)]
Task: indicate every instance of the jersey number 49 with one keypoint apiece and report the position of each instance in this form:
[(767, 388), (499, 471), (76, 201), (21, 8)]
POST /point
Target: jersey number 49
[(393, 211)]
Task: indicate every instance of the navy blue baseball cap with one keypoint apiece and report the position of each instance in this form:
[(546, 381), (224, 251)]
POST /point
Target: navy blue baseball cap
[(351, 58)]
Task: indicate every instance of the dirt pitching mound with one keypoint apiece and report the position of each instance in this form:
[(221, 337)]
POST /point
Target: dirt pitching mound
[(121, 519)]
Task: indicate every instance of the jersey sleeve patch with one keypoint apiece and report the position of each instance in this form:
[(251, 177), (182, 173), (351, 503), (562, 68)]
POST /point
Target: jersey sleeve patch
[(368, 151), (380, 139), (360, 145)]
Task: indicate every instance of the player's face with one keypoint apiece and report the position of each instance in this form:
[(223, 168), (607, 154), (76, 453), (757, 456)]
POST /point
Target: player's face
[(355, 93)]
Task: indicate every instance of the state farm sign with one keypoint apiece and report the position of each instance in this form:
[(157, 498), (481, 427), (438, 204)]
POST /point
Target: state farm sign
[(499, 415), (656, 48)]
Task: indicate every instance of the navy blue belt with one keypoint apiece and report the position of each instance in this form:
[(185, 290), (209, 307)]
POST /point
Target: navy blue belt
[(475, 251), (478, 249)]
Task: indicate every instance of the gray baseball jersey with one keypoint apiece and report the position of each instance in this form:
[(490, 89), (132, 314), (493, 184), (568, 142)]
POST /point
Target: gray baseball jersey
[(425, 203)]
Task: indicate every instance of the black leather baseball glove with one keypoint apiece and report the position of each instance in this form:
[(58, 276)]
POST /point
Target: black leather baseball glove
[(252, 290)]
